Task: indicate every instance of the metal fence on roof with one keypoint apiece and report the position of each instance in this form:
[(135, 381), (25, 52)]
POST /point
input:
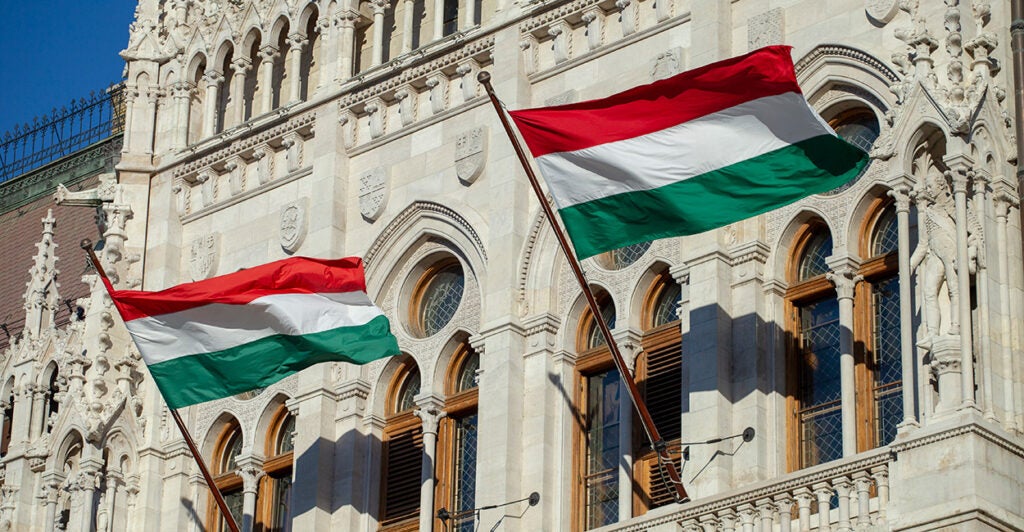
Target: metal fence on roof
[(64, 131)]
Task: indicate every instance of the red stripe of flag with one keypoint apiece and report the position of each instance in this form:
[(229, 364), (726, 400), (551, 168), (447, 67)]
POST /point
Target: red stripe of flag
[(659, 105), (295, 275)]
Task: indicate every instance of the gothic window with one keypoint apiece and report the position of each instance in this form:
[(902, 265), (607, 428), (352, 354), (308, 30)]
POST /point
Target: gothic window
[(458, 457), (403, 451), (276, 486), (52, 405), (659, 377), (225, 466), (858, 126), (881, 323), (7, 404), (451, 17), (225, 103), (310, 70), (280, 78), (814, 322), (436, 297), (598, 453)]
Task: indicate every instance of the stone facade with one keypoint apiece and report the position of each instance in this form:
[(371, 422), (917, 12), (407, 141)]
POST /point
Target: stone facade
[(260, 129)]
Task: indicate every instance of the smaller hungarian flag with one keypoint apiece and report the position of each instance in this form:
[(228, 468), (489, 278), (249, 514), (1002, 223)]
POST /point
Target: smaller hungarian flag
[(245, 330), (696, 151)]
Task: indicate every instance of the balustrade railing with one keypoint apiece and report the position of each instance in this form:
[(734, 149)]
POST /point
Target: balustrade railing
[(844, 496), (80, 124)]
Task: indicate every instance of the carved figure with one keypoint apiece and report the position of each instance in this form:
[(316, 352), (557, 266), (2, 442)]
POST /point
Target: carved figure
[(935, 255)]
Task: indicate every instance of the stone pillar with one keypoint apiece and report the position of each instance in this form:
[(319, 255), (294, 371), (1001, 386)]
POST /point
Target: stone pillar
[(628, 341), (823, 492), (213, 79), (784, 506), (153, 101), (250, 468), (266, 73), (88, 480), (901, 196), (39, 394), (131, 94), (346, 21), (946, 360), (407, 22), (981, 215), (804, 498), (182, 91), (438, 19), (296, 42), (960, 178), (845, 281), (431, 414), (327, 45), (51, 490), (114, 479), (379, 6), (470, 14), (843, 488), (240, 67), (1003, 203)]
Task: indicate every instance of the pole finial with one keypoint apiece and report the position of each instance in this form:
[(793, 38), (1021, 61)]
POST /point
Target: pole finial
[(484, 77), (85, 244)]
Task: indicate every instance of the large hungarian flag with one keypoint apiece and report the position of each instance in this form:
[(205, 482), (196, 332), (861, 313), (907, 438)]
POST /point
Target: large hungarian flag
[(686, 154), (245, 330)]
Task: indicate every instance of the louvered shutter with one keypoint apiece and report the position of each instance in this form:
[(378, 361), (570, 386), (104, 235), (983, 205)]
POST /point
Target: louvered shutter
[(404, 454), (661, 384)]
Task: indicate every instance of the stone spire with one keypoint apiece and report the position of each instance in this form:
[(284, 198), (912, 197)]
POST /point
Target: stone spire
[(41, 297)]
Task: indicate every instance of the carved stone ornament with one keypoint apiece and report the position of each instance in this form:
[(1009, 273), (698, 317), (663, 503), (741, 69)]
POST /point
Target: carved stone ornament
[(293, 225), (766, 29), (882, 11), (373, 193), (471, 154), (203, 251), (667, 64)]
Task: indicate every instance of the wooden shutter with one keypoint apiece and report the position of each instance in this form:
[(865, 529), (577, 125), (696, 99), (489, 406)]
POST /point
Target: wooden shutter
[(660, 380), (403, 452)]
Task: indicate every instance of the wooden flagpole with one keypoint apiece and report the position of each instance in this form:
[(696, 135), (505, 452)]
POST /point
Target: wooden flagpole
[(86, 244), (657, 443)]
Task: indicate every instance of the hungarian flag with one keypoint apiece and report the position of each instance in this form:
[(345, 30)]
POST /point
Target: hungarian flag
[(245, 330), (700, 150)]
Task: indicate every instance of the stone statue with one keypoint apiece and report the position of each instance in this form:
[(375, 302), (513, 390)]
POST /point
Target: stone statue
[(935, 255)]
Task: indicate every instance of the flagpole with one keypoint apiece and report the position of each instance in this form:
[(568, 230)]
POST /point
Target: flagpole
[(657, 443), (86, 245)]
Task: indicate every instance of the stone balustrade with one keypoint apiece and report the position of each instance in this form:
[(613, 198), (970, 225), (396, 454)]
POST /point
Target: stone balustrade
[(843, 496)]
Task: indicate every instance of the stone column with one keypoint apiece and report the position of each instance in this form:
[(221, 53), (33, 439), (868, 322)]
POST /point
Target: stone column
[(804, 497), (470, 16), (784, 506), (845, 281), (327, 45), (153, 101), (960, 178), (379, 6), (843, 488), (88, 480), (131, 94), (346, 21), (240, 67), (114, 479), (266, 73), (213, 79), (431, 414), (824, 494), (39, 394), (1003, 203), (296, 42), (182, 91), (250, 468), (981, 212), (629, 345), (407, 22), (946, 360), (901, 196), (438, 19), (51, 489)]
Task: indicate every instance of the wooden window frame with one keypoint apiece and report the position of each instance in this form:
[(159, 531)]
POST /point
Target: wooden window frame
[(225, 481), (818, 288), (275, 466), (398, 423), (458, 405)]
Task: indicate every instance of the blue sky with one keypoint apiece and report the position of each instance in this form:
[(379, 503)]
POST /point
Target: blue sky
[(57, 50)]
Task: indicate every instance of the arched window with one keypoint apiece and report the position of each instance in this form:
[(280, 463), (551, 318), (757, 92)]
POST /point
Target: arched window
[(403, 450), (457, 472), (225, 453), (52, 405), (276, 486), (436, 297), (7, 404), (858, 126), (620, 258), (814, 322), (225, 103), (598, 452), (880, 314), (659, 377)]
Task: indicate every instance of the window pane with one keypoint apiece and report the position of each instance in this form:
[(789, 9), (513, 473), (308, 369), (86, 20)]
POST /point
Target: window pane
[(464, 492), (594, 336), (812, 263), (234, 503), (232, 450), (602, 439), (410, 389), (467, 373), (286, 436), (886, 237), (888, 372), (280, 516), (668, 302), (441, 299), (820, 384), (617, 259)]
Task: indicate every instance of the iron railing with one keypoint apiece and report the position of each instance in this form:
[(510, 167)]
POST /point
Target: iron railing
[(81, 123)]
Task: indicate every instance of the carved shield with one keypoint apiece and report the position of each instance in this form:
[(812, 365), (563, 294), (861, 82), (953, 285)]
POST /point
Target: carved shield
[(203, 256), (293, 225), (373, 193), (471, 154)]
